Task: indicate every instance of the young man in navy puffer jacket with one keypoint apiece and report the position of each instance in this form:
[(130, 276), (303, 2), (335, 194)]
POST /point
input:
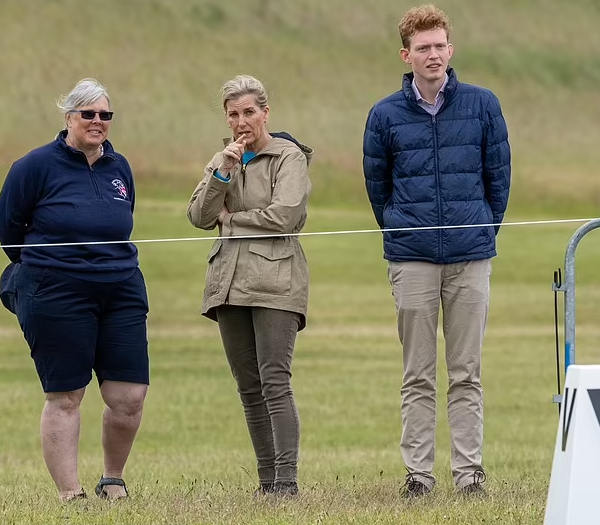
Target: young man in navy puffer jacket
[(436, 155)]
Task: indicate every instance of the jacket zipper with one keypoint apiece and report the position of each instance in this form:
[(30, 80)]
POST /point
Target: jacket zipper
[(95, 182), (243, 172), (244, 168), (93, 177), (437, 180)]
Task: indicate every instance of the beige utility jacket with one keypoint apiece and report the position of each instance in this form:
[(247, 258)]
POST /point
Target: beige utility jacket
[(268, 196)]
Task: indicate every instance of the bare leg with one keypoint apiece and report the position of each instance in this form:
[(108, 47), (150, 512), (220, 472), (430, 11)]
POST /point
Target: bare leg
[(121, 420), (59, 429)]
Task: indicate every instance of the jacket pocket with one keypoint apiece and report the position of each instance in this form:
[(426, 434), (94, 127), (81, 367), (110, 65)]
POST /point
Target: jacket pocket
[(213, 271), (270, 268)]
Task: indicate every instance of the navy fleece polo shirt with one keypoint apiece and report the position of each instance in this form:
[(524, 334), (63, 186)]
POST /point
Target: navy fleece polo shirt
[(51, 195)]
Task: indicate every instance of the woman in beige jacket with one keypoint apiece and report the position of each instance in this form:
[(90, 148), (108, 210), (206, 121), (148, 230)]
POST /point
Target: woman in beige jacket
[(256, 191)]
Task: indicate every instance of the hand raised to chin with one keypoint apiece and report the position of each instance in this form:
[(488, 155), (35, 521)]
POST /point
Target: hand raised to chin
[(232, 155)]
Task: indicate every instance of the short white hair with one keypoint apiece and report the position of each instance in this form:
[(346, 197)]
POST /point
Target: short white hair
[(85, 92), (244, 85)]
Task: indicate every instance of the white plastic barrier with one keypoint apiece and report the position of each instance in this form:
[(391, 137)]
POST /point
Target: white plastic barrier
[(574, 494)]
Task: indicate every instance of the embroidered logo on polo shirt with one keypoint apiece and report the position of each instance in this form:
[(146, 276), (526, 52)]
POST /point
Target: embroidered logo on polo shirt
[(121, 189)]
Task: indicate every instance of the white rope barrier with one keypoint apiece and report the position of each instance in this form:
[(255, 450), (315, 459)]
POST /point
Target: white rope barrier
[(302, 234)]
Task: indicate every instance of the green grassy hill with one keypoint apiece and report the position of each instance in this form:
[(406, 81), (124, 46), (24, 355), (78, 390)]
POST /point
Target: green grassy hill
[(324, 63)]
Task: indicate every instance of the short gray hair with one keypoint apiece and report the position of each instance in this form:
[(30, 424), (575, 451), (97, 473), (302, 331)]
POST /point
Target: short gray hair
[(244, 85), (85, 92)]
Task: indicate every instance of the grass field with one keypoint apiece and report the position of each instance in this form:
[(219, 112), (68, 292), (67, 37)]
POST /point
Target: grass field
[(324, 63), (192, 462)]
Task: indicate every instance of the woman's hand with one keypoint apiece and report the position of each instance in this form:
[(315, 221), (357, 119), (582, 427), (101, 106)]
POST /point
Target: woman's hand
[(223, 215), (232, 155)]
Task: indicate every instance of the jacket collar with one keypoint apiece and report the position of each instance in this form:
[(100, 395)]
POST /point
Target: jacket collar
[(61, 141), (448, 90)]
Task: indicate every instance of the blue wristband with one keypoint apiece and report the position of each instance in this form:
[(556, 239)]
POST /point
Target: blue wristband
[(220, 177)]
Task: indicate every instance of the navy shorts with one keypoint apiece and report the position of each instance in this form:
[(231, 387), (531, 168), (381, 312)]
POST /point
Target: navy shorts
[(75, 326)]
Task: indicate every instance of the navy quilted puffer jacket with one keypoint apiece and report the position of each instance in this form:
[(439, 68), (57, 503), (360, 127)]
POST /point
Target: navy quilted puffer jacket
[(448, 170)]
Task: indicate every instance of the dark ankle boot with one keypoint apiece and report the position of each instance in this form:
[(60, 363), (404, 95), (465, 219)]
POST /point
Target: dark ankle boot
[(266, 487), (286, 488)]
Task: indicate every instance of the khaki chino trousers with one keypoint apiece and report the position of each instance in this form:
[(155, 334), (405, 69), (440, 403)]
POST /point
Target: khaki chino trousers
[(462, 290)]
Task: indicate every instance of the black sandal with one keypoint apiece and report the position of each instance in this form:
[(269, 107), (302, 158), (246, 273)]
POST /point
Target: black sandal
[(101, 493)]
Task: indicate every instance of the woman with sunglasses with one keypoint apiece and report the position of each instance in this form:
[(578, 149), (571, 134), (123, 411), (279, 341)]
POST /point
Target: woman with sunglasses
[(82, 306), (257, 288)]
